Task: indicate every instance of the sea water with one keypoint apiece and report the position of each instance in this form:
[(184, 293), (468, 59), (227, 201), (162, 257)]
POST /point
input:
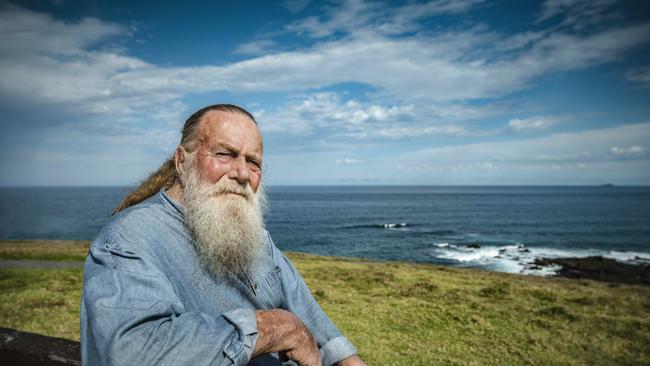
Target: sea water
[(500, 228)]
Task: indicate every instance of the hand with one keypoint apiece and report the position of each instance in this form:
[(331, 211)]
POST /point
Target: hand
[(283, 332), (353, 360), (305, 350)]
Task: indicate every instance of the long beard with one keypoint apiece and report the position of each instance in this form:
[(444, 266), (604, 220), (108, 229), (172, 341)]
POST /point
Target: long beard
[(227, 228)]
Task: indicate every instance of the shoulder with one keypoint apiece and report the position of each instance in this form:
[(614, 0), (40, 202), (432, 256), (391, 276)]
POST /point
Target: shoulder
[(277, 256), (140, 225), (273, 252)]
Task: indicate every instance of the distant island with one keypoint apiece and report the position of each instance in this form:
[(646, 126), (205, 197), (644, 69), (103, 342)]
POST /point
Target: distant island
[(607, 185)]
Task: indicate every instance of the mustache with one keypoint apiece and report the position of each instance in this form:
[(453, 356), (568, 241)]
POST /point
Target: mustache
[(228, 186)]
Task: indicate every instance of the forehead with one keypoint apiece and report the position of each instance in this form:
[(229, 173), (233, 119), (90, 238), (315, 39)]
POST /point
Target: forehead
[(232, 128)]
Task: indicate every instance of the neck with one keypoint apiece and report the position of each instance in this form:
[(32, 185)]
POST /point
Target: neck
[(175, 193)]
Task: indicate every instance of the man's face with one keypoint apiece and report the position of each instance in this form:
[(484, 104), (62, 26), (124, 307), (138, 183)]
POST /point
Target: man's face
[(230, 146), (220, 195)]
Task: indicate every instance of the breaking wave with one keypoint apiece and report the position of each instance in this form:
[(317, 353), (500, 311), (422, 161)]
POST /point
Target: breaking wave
[(380, 226), (519, 258)]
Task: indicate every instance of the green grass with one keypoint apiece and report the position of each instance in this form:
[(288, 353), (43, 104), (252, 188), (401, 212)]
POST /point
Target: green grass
[(53, 250), (407, 314), (44, 301)]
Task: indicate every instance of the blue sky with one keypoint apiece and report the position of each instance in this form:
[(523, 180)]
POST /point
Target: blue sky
[(346, 92)]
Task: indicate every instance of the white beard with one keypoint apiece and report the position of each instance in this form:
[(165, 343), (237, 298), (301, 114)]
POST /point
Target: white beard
[(228, 229)]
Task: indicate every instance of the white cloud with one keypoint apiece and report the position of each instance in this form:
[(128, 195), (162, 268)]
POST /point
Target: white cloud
[(296, 6), (449, 167), (332, 118), (328, 111), (578, 13), (405, 132), (579, 156), (532, 123), (351, 16), (26, 32), (632, 150), (442, 67), (405, 18), (428, 67), (560, 150), (256, 48), (49, 60), (639, 75), (424, 81), (348, 161), (436, 7), (562, 158)]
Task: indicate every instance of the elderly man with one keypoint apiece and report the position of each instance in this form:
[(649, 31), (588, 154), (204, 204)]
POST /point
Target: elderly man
[(185, 274)]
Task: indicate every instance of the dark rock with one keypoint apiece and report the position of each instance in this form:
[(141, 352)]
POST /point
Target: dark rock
[(473, 245), (599, 268), (29, 349)]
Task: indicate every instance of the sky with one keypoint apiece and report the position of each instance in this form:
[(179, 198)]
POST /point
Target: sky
[(442, 92)]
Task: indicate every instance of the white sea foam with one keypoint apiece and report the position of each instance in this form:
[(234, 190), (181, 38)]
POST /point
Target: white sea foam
[(391, 226), (633, 257), (519, 258)]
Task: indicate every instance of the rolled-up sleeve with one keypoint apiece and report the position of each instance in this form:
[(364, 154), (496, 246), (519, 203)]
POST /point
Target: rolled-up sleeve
[(336, 350), (240, 350), (298, 299), (132, 315)]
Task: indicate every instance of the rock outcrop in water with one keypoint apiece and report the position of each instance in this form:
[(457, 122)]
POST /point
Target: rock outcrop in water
[(601, 269)]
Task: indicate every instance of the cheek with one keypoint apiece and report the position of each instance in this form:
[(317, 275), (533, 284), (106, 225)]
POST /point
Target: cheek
[(210, 170), (254, 181)]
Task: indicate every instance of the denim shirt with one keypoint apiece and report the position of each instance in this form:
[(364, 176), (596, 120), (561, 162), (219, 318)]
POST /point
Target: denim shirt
[(148, 301)]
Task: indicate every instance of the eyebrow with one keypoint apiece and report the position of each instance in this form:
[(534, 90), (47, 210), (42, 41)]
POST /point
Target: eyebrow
[(235, 150)]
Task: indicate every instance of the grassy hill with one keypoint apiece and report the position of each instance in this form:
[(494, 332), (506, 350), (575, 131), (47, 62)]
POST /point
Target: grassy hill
[(399, 313)]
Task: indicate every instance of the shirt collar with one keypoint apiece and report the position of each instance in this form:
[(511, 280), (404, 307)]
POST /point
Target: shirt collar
[(169, 201)]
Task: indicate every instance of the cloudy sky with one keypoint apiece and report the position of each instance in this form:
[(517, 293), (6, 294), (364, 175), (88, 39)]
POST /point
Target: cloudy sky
[(346, 92)]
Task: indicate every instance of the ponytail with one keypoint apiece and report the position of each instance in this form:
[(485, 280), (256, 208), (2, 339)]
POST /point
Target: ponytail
[(164, 177)]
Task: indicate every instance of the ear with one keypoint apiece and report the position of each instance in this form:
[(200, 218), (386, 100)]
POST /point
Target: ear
[(179, 161)]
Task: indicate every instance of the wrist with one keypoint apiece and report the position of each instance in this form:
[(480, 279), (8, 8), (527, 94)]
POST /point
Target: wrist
[(278, 330)]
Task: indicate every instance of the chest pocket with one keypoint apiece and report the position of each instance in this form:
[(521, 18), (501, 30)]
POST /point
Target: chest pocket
[(273, 287)]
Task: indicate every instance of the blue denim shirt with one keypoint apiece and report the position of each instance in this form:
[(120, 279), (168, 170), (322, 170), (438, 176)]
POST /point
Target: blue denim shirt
[(148, 301)]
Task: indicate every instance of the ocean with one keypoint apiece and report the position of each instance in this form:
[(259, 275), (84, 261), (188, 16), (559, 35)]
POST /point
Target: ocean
[(499, 228)]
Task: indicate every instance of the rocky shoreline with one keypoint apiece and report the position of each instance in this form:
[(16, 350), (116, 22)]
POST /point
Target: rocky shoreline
[(601, 269)]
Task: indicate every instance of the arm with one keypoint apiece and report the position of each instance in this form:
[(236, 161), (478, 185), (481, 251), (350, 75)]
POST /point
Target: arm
[(333, 346), (132, 315), (282, 331)]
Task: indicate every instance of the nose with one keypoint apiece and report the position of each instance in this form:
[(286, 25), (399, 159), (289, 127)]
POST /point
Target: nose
[(239, 171)]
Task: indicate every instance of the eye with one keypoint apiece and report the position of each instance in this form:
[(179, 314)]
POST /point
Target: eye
[(223, 155), (254, 165)]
